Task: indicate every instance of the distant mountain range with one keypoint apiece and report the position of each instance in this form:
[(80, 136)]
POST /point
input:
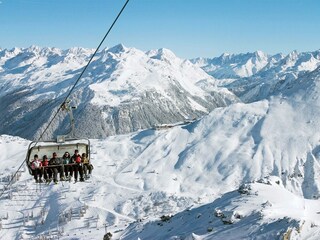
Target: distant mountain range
[(126, 89), (256, 76)]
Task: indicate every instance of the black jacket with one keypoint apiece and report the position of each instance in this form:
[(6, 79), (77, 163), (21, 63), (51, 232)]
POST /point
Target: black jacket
[(55, 161)]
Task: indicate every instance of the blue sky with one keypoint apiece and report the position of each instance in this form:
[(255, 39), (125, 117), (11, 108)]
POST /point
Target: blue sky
[(190, 28)]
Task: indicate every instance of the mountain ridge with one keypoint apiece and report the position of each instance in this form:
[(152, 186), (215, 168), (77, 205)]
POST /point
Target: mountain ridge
[(252, 78), (123, 90)]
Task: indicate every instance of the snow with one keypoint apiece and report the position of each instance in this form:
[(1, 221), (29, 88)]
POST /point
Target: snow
[(191, 172), (121, 73), (137, 72), (257, 63), (121, 84), (233, 65), (197, 106), (256, 76), (232, 217), (245, 171)]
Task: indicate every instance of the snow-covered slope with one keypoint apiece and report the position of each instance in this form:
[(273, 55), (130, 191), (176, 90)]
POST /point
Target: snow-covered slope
[(123, 90), (256, 76), (198, 166), (264, 210), (233, 65)]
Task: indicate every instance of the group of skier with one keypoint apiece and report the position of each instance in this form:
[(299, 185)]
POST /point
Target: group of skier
[(67, 167)]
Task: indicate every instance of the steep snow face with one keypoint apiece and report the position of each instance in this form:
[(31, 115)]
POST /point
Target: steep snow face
[(123, 90), (269, 75)]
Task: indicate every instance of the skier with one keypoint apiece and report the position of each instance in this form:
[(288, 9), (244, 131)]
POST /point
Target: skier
[(47, 173), (68, 169), (36, 168), (77, 167), (56, 168), (87, 166)]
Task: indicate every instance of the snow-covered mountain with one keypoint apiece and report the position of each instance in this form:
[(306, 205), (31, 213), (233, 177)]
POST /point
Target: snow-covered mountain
[(123, 90), (245, 171), (260, 210), (233, 65), (256, 76)]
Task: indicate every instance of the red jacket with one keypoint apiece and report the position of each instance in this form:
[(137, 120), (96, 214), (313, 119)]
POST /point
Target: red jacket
[(45, 163)]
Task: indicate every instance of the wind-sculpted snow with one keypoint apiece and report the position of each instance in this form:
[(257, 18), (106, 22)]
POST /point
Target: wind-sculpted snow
[(123, 90)]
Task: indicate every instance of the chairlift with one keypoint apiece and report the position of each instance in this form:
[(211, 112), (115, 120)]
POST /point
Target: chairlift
[(59, 147), (62, 143)]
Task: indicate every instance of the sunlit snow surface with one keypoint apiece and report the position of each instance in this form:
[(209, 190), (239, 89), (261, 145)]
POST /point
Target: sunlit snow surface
[(190, 171)]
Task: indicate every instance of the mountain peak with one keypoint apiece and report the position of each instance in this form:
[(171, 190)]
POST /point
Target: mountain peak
[(161, 54), (119, 48), (79, 51), (33, 48), (75, 49), (15, 50), (294, 54), (165, 51), (260, 54), (225, 54)]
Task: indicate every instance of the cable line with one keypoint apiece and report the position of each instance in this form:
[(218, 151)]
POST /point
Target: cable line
[(85, 68), (69, 93), (115, 20)]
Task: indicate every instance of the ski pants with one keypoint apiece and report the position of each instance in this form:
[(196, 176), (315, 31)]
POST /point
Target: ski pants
[(86, 168), (37, 172), (78, 170)]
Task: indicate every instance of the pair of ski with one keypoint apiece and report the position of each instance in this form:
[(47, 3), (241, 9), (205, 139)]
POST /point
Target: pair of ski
[(67, 179), (50, 180)]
